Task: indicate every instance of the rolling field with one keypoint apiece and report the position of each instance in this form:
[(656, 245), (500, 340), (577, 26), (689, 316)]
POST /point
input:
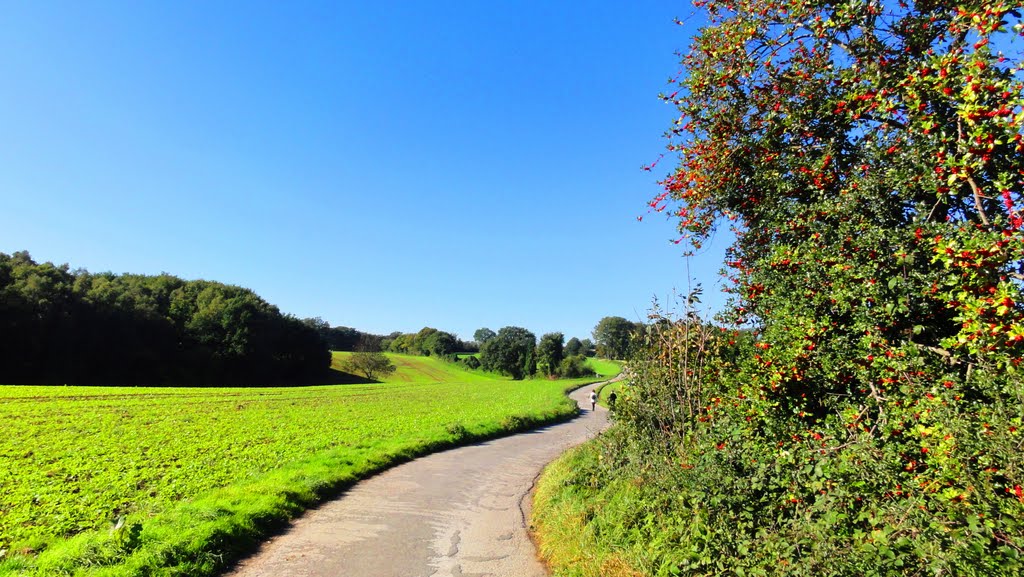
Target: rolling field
[(198, 475)]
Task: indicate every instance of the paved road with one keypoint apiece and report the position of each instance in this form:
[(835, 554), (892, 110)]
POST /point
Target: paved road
[(460, 513)]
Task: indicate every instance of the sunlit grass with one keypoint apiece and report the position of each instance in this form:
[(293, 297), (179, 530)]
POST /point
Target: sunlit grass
[(201, 474)]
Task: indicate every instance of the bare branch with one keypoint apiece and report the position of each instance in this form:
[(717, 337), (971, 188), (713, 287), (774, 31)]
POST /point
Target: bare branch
[(977, 200), (932, 212)]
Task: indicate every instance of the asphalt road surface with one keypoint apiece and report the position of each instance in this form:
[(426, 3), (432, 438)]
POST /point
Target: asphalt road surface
[(460, 513)]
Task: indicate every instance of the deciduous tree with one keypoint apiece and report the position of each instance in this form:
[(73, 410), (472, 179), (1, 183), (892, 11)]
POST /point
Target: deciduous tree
[(573, 347), (511, 351), (483, 335), (550, 353), (612, 335), (372, 364)]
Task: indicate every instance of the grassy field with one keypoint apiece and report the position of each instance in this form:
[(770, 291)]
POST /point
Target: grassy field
[(604, 368), (180, 481)]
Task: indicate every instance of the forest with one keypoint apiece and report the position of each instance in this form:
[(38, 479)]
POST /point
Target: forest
[(61, 326)]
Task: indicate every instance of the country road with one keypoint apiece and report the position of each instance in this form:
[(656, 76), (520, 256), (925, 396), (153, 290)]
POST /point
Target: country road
[(459, 513)]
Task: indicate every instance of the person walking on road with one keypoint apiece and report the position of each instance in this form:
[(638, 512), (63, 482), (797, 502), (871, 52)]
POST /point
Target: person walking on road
[(593, 400)]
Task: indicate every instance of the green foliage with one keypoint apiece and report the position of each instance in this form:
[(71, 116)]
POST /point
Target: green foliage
[(868, 156), (428, 341), (76, 327), (612, 335), (483, 335), (550, 353), (573, 347), (573, 367), (512, 352), (588, 347), (371, 364), (199, 476), (340, 338)]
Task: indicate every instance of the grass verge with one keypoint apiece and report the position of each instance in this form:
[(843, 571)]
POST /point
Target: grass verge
[(567, 522)]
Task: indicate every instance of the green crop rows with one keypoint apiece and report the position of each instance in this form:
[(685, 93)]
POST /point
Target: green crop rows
[(75, 459)]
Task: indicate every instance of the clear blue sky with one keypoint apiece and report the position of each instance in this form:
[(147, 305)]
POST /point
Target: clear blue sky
[(382, 165)]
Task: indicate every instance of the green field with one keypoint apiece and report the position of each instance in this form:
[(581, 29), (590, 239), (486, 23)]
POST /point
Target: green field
[(604, 368), (201, 474)]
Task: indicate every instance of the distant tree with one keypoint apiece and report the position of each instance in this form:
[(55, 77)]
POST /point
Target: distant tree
[(573, 347), (368, 344), (483, 335), (430, 341), (510, 352), (574, 367), (588, 348), (344, 338), (318, 324), (403, 343), (613, 335), (371, 364), (468, 346), (549, 353)]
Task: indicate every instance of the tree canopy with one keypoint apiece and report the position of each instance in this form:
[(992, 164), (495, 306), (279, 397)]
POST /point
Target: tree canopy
[(428, 341), (612, 335), (573, 347), (483, 335), (511, 352), (550, 352), (76, 327)]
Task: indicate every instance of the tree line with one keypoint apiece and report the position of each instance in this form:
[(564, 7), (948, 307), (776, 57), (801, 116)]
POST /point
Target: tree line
[(516, 352), (512, 351), (71, 326), (77, 327)]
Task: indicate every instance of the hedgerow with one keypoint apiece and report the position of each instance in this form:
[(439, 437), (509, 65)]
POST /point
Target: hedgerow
[(868, 156)]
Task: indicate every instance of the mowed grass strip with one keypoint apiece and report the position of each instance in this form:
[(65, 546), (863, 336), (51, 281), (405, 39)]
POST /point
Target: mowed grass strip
[(200, 475)]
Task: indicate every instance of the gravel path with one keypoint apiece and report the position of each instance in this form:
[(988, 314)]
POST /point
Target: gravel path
[(462, 512)]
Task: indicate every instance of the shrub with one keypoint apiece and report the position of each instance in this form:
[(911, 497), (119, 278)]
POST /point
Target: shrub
[(574, 367)]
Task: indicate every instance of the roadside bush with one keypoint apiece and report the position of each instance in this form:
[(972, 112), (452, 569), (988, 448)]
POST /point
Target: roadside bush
[(574, 367), (866, 156), (708, 472)]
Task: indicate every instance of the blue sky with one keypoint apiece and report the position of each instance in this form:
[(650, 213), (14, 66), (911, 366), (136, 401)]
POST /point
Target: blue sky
[(383, 165)]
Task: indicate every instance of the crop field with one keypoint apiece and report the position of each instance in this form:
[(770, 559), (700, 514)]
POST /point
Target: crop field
[(185, 468)]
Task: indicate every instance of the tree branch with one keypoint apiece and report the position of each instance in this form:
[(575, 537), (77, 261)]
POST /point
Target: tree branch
[(977, 200)]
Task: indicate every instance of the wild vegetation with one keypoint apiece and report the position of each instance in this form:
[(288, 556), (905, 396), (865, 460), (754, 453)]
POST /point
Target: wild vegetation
[(181, 481), (868, 155), (77, 327)]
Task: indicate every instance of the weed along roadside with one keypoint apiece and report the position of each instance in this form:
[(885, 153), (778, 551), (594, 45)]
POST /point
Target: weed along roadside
[(184, 481)]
